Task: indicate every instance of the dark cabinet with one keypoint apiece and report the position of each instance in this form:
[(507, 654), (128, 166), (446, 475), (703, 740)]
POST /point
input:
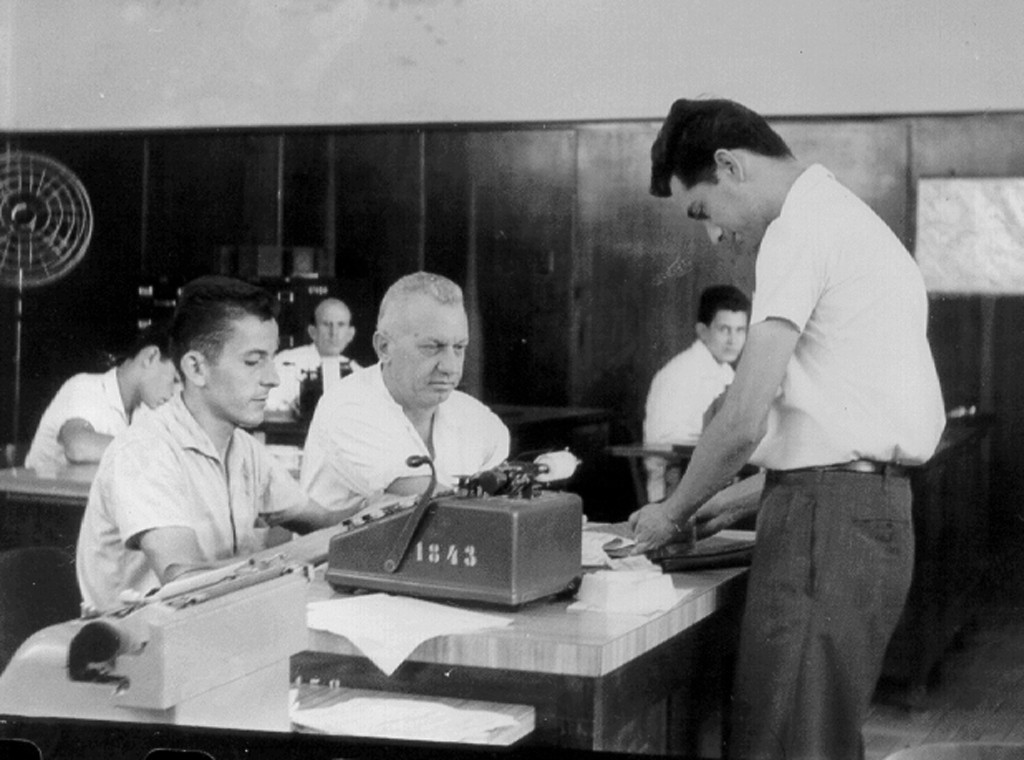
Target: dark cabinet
[(951, 507)]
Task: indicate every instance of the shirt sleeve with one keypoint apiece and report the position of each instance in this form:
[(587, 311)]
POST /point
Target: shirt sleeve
[(790, 274), (145, 489)]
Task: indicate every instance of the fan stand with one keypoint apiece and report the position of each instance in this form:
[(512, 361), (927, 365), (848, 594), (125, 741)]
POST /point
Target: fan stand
[(11, 449), (46, 225)]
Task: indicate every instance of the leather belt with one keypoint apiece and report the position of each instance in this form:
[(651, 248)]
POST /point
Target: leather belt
[(865, 466)]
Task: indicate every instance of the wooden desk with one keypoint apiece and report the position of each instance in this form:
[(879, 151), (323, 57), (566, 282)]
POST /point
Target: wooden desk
[(43, 508), (597, 681), (66, 486)]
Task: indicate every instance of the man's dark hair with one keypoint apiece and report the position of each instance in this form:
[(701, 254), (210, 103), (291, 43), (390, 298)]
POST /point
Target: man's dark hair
[(156, 334), (695, 129), (721, 298), (206, 307)]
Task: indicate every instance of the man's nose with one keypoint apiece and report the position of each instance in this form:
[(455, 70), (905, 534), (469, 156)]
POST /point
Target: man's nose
[(714, 232), (450, 360), (270, 376)]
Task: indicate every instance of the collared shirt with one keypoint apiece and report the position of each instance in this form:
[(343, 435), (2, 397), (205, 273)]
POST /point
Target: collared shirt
[(165, 472), (95, 398), (680, 394), (292, 364), (360, 438), (862, 382)]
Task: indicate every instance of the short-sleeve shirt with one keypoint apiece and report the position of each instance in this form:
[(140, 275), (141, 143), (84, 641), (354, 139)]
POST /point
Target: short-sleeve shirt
[(292, 364), (359, 440), (680, 394), (165, 472), (861, 383), (95, 398)]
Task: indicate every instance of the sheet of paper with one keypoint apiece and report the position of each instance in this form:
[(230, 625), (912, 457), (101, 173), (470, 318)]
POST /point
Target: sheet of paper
[(388, 628), (628, 592), (398, 718)]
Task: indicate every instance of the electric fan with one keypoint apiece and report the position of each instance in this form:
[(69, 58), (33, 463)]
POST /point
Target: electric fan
[(45, 228)]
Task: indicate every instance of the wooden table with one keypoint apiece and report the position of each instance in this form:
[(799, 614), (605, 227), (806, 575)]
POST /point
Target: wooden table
[(43, 507), (598, 681)]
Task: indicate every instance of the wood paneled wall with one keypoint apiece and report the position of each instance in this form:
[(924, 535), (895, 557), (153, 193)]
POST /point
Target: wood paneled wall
[(580, 284)]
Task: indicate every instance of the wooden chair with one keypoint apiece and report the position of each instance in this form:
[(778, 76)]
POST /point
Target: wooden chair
[(676, 458)]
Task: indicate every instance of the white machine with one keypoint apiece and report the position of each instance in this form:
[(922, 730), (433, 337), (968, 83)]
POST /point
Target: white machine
[(212, 650)]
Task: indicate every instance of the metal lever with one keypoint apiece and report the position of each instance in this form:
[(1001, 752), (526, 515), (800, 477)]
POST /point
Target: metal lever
[(393, 561)]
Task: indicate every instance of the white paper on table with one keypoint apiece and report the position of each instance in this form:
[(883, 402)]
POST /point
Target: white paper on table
[(388, 628), (397, 718), (630, 592), (594, 543)]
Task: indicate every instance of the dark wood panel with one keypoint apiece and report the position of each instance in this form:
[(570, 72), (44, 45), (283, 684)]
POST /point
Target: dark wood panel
[(207, 192), (640, 268), (376, 230), (869, 157), (500, 221)]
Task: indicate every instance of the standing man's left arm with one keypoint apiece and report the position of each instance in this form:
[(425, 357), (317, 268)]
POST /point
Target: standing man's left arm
[(731, 437)]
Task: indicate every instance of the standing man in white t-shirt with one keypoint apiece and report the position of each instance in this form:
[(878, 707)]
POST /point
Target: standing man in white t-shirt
[(683, 390), (838, 393)]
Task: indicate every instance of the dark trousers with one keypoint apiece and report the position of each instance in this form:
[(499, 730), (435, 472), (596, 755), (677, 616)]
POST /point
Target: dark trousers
[(830, 575)]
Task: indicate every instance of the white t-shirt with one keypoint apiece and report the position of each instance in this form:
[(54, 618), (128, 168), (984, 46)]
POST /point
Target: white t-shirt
[(95, 398), (680, 394), (360, 438), (165, 472), (862, 382), (292, 363)]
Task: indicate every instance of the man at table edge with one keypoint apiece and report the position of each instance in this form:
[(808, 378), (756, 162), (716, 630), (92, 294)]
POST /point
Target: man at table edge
[(837, 391)]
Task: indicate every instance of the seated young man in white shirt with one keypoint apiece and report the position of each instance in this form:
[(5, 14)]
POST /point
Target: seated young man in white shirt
[(367, 426), (331, 331), (91, 408), (186, 489), (683, 390)]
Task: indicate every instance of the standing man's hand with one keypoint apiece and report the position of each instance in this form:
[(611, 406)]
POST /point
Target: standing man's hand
[(653, 528)]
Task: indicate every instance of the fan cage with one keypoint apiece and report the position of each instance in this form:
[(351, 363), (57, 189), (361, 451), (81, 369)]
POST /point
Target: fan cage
[(46, 220)]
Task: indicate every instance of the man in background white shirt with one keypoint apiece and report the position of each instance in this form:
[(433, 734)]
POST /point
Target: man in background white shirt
[(683, 390), (91, 408), (331, 331)]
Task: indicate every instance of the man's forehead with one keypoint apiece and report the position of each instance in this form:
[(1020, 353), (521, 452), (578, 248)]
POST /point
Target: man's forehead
[(251, 333), (332, 312), (728, 315)]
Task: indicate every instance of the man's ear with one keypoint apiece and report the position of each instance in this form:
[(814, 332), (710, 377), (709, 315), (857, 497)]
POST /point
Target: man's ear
[(382, 345), (729, 164), (194, 368), (311, 332), (149, 355), (703, 332)]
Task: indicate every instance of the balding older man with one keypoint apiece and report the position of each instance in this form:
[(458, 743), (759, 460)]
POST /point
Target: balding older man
[(331, 331), (372, 421)]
